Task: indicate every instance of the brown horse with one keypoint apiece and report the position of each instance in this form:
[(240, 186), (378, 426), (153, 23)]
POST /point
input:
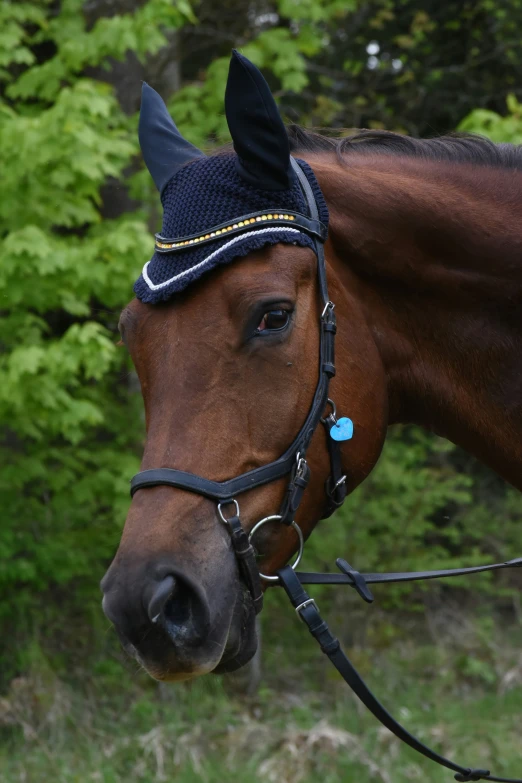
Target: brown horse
[(424, 265)]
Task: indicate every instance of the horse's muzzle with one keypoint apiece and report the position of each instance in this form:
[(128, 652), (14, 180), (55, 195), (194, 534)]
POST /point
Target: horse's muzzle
[(164, 621)]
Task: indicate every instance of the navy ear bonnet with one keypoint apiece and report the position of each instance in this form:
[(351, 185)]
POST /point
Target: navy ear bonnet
[(225, 206), (210, 193)]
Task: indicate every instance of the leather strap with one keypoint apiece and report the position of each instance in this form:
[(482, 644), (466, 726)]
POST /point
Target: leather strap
[(246, 558), (295, 490), (215, 490), (347, 577), (307, 610), (335, 487), (314, 214)]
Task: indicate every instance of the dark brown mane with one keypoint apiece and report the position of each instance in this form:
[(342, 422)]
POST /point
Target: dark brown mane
[(454, 147)]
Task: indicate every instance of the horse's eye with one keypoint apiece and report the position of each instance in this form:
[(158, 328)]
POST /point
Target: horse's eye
[(273, 321)]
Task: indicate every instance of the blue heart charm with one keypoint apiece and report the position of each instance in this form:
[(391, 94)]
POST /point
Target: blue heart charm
[(342, 430)]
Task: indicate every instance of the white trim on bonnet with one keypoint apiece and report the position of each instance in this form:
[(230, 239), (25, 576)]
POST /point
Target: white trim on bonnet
[(270, 230)]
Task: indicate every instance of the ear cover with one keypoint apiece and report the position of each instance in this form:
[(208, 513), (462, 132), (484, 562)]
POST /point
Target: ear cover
[(257, 130), (164, 148)]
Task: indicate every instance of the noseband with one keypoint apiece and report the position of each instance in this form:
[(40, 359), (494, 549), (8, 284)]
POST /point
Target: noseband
[(293, 464)]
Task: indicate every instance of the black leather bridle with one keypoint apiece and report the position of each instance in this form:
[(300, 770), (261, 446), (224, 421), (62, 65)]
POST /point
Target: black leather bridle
[(293, 464)]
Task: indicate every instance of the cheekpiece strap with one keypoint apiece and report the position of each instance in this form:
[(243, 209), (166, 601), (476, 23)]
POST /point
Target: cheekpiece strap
[(246, 557), (252, 221)]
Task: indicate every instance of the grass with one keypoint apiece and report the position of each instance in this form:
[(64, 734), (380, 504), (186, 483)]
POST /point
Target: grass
[(303, 726)]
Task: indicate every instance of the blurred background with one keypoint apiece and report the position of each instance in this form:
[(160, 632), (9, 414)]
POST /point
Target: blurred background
[(76, 215)]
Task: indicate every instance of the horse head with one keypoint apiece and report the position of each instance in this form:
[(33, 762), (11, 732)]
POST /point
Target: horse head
[(229, 335)]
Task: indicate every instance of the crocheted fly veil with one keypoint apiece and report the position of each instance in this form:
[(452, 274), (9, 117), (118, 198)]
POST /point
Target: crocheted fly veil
[(222, 207)]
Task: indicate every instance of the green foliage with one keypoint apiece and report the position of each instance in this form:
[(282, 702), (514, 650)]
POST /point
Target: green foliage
[(282, 49), (495, 126), (78, 47), (69, 425)]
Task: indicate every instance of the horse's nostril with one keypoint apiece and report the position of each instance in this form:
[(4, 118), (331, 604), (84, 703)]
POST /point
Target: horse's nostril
[(163, 592), (180, 609), (179, 613)]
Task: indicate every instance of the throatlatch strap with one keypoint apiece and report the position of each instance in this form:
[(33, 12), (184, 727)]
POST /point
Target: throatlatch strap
[(307, 609), (335, 487)]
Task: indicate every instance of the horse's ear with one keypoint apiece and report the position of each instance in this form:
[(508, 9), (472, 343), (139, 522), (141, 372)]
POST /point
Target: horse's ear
[(164, 148), (256, 127)]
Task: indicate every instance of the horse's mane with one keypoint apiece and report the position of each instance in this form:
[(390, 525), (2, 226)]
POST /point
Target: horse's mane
[(455, 147)]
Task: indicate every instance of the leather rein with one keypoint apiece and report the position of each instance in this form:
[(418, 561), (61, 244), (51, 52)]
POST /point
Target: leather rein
[(293, 464)]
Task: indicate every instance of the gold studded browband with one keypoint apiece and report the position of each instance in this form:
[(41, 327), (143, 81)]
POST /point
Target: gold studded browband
[(240, 225)]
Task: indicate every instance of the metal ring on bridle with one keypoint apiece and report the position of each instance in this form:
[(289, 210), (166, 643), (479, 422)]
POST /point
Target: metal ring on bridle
[(334, 410), (227, 503), (301, 543)]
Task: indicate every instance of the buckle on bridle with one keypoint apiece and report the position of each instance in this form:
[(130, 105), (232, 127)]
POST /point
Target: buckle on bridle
[(327, 309), (301, 465), (339, 483), (308, 602)]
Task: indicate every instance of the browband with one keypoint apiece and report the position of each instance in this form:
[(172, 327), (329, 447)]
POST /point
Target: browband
[(240, 225)]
